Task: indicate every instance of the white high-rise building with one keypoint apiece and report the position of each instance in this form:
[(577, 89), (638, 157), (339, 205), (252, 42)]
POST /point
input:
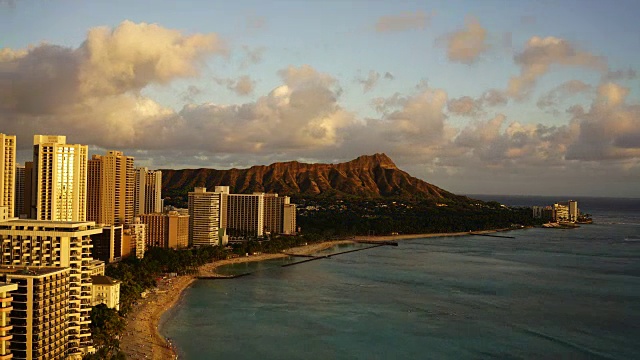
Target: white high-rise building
[(59, 190), (8, 172), (206, 217), (148, 191)]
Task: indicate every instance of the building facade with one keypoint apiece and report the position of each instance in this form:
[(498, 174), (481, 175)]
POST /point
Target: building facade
[(110, 189), (8, 172), (59, 244), (59, 189), (289, 225), (107, 245), (19, 193), (40, 321), (5, 322), (207, 218), (168, 230), (148, 191), (245, 215), (105, 290)]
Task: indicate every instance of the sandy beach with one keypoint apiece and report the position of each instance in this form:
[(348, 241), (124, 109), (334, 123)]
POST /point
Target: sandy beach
[(142, 340)]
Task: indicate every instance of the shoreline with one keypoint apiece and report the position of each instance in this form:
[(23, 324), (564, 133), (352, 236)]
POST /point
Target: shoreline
[(142, 338)]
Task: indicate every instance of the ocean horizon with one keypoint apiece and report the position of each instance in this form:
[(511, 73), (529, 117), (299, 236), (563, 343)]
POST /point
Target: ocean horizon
[(546, 293)]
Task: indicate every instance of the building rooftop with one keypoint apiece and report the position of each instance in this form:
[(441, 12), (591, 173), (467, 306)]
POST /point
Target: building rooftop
[(29, 270), (103, 280)]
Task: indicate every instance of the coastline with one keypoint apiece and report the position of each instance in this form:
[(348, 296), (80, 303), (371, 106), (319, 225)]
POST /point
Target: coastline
[(142, 338)]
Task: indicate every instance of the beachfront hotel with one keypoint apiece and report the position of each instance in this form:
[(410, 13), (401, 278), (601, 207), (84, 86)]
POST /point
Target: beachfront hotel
[(207, 217), (39, 323), (65, 244), (59, 189), (169, 230), (105, 290)]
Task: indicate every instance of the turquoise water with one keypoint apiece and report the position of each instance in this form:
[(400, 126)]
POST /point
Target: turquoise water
[(548, 293)]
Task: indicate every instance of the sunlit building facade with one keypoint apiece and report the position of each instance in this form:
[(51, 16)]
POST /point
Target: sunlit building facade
[(8, 172), (40, 321), (66, 244), (59, 189)]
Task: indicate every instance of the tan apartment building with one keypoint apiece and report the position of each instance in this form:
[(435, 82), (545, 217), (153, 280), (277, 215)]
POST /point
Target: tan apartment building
[(19, 193), (59, 187), (5, 321), (134, 239), (245, 215), (40, 321), (110, 189), (58, 244), (148, 191), (105, 290), (8, 172), (168, 230), (289, 225), (95, 267), (207, 217)]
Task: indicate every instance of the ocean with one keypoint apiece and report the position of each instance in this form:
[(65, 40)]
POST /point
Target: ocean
[(545, 294)]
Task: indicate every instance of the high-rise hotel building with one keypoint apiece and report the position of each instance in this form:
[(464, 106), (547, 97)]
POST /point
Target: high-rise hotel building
[(245, 215), (40, 312), (8, 172), (59, 189), (5, 322), (206, 217), (110, 189), (64, 244), (148, 191)]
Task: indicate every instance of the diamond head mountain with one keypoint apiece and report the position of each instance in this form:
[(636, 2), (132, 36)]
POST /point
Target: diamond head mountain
[(368, 176)]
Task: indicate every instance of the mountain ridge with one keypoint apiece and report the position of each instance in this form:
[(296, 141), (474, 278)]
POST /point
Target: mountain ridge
[(369, 176)]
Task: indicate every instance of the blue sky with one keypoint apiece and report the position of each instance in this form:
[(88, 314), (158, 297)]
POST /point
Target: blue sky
[(527, 97)]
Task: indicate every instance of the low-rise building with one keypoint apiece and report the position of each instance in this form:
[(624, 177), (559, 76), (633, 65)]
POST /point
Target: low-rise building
[(105, 290)]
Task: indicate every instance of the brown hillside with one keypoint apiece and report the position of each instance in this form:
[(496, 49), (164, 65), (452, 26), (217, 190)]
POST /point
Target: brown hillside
[(369, 176)]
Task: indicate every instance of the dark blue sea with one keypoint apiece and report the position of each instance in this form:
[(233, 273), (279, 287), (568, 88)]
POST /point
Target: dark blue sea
[(545, 294)]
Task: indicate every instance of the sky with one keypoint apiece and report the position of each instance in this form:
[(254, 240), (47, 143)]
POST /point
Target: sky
[(476, 97)]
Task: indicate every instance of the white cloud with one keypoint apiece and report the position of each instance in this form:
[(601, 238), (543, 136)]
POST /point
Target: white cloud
[(403, 21), (542, 53), (466, 45)]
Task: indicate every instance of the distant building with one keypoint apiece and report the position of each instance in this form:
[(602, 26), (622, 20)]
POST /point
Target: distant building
[(110, 189), (169, 230), (245, 215), (19, 193), (40, 317), (59, 189), (574, 213), (560, 212), (207, 217), (289, 225), (147, 191), (8, 172), (135, 239), (105, 290), (107, 245)]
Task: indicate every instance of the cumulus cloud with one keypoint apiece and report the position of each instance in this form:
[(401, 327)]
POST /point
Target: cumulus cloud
[(562, 91), (542, 53), (466, 45), (609, 129), (465, 106), (92, 91), (370, 81), (241, 86), (403, 21)]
